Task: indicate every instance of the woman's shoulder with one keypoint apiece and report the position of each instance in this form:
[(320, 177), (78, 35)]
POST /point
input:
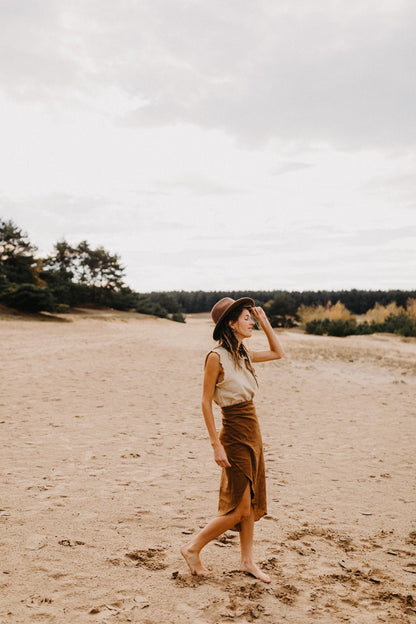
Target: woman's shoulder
[(217, 353), (217, 349), (213, 361), (220, 351), (224, 356)]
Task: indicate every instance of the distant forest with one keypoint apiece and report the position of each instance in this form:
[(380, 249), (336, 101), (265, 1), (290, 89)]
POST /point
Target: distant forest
[(286, 303), (80, 275)]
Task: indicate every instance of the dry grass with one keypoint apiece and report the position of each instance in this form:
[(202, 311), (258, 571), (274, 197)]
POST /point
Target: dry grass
[(379, 313), (411, 309), (319, 313)]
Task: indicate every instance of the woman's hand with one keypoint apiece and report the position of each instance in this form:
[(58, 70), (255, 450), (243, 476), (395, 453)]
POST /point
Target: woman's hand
[(220, 456), (259, 314)]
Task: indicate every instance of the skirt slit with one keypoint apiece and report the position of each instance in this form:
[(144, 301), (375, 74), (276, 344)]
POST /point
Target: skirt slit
[(241, 437)]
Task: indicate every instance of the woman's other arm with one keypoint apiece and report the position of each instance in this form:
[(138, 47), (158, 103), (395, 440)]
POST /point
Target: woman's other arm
[(275, 352), (212, 370)]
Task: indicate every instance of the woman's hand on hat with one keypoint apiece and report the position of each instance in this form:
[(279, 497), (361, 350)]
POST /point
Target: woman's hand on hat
[(259, 314)]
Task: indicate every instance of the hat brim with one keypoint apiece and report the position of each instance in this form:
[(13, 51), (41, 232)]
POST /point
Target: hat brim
[(239, 302)]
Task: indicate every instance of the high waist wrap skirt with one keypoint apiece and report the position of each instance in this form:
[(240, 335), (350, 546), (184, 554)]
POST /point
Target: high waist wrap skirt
[(241, 438)]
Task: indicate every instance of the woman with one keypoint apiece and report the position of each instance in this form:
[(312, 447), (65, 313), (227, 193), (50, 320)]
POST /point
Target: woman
[(230, 381)]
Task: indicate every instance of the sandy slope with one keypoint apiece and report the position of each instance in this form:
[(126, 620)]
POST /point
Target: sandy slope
[(106, 469)]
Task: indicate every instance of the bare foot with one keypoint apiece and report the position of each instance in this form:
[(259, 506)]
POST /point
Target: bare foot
[(254, 570), (192, 559)]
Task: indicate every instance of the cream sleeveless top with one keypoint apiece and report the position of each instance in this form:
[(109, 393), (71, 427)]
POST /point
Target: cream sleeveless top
[(238, 384)]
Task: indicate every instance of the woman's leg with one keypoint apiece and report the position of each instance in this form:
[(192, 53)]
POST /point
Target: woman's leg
[(246, 546), (213, 529)]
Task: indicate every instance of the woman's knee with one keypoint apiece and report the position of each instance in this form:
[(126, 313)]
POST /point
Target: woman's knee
[(245, 512)]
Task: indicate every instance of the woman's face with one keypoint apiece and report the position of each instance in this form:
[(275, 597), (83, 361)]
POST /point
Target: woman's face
[(243, 326)]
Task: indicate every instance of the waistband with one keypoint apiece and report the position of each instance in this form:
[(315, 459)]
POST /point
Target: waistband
[(245, 406)]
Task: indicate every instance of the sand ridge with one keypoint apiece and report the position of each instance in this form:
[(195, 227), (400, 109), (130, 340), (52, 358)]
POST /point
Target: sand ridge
[(107, 470)]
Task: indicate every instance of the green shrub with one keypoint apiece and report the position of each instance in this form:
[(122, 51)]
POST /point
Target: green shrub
[(365, 328), (146, 306), (342, 328), (62, 308), (29, 298), (317, 327), (400, 324), (178, 317), (281, 321), (4, 284), (336, 327)]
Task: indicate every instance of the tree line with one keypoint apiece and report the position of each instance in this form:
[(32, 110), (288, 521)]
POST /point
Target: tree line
[(76, 275), (286, 303), (68, 277)]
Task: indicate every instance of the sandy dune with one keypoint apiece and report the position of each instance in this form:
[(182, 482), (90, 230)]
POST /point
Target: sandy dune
[(106, 469)]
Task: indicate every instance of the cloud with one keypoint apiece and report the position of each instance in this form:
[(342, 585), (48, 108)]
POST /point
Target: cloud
[(288, 167), (332, 74), (36, 61), (100, 220), (336, 73), (197, 185), (399, 187)]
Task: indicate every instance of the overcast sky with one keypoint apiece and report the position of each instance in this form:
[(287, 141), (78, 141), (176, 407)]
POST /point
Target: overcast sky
[(216, 145)]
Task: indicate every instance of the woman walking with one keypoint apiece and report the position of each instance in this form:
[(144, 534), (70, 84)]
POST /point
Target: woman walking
[(230, 382)]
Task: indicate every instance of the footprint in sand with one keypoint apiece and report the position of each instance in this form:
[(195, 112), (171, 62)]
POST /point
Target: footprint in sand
[(120, 607), (38, 601), (188, 581), (287, 594), (342, 541), (271, 565), (67, 542), (224, 540), (152, 558), (244, 601)]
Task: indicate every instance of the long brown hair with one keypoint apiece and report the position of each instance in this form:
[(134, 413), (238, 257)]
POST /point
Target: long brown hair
[(228, 340)]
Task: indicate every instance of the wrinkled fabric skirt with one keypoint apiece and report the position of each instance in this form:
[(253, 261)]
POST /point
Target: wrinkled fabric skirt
[(241, 438)]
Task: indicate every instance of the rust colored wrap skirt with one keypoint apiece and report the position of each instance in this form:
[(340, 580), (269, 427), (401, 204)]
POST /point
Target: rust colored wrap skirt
[(241, 438)]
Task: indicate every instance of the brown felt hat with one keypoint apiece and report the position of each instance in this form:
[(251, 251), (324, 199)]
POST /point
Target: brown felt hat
[(223, 307)]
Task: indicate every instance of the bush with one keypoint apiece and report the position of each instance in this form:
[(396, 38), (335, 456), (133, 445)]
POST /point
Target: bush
[(281, 321), (380, 313), (29, 298), (336, 327), (309, 314), (4, 284), (342, 328), (411, 309), (400, 324), (168, 303), (338, 312), (365, 328), (71, 294), (408, 329), (62, 308), (124, 299), (330, 312), (178, 317), (145, 306), (317, 327)]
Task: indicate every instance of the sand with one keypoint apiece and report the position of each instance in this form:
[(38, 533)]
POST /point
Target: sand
[(107, 470)]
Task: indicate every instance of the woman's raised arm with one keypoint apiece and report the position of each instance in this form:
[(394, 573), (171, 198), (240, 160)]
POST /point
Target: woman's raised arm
[(275, 352)]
